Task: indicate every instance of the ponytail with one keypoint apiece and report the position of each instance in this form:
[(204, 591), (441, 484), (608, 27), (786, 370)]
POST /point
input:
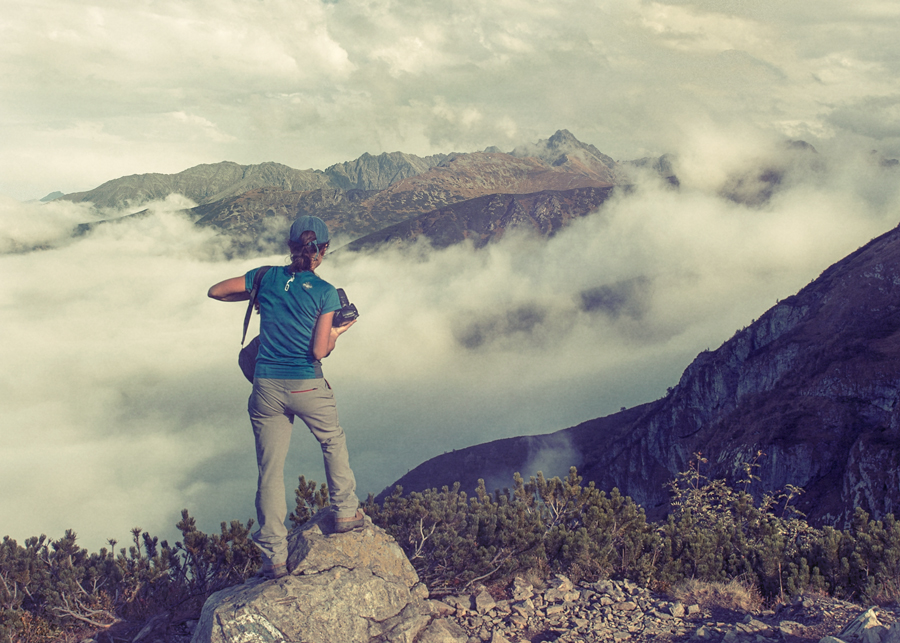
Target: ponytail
[(304, 252)]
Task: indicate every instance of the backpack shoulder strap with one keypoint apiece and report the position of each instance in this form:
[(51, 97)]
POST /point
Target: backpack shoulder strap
[(257, 278)]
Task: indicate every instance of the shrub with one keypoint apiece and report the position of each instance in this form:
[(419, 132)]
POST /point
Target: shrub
[(47, 588), (718, 547)]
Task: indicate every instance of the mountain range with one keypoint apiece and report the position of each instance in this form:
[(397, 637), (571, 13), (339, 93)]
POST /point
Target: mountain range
[(254, 204)]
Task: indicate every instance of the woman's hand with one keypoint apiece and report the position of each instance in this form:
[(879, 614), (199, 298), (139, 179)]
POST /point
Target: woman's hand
[(337, 331)]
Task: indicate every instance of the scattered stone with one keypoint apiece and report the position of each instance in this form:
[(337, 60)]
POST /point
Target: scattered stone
[(521, 589), (606, 611), (443, 631), (893, 634), (788, 627), (865, 628), (561, 583), (676, 610), (459, 602), (484, 602), (519, 621), (625, 606), (703, 633)]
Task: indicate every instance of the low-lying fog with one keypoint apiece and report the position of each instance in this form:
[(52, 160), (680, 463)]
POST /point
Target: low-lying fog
[(122, 401)]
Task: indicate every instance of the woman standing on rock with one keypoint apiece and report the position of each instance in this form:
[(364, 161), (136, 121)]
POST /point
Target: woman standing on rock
[(296, 310)]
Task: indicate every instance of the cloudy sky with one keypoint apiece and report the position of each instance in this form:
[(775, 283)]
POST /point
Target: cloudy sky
[(121, 401), (91, 91)]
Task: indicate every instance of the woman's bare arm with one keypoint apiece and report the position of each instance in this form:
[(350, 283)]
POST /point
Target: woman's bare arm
[(325, 335), (234, 289)]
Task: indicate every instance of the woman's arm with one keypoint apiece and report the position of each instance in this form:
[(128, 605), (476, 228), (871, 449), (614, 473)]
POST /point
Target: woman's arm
[(325, 335), (234, 289)]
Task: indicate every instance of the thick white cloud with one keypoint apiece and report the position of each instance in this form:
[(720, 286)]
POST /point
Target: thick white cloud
[(92, 91), (123, 403)]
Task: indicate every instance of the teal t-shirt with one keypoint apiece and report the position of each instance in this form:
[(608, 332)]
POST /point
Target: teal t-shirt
[(289, 304)]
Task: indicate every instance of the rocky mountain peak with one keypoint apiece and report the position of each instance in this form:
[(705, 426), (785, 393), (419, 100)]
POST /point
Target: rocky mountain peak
[(563, 142), (564, 150)]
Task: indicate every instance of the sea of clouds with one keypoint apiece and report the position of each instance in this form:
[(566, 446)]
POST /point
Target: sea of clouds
[(123, 403)]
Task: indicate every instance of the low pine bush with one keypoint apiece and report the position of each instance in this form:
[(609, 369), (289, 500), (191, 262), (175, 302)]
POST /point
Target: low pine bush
[(718, 545)]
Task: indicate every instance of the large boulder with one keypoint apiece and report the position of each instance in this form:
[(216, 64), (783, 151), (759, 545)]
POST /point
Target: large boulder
[(356, 587)]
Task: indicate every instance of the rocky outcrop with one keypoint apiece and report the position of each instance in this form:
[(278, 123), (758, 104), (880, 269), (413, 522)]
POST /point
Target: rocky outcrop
[(601, 612), (619, 611), (356, 587), (814, 385), (379, 172)]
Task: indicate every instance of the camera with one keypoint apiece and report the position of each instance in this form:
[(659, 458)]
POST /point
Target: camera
[(347, 313)]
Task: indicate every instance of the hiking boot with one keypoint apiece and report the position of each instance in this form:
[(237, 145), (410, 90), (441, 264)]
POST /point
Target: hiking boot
[(343, 525), (272, 572)]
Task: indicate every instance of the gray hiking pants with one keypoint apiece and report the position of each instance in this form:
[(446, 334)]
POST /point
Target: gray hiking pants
[(272, 406)]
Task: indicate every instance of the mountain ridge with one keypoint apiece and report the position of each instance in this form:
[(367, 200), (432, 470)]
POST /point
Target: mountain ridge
[(357, 198)]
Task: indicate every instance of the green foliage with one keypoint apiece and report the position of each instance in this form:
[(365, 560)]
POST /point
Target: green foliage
[(586, 533), (542, 525), (716, 534), (47, 588), (309, 501), (453, 540)]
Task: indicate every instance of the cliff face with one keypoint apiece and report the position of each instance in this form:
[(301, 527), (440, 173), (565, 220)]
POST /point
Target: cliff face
[(813, 384)]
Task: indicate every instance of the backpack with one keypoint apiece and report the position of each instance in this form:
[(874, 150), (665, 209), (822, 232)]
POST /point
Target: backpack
[(247, 356)]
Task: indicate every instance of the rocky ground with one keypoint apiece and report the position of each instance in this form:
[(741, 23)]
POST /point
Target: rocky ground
[(611, 611)]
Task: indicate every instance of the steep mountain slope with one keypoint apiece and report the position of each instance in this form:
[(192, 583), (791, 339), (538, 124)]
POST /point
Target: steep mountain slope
[(487, 218), (379, 172), (814, 384)]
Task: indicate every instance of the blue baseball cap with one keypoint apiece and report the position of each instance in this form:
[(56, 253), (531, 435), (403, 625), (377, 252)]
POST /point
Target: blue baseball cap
[(315, 224)]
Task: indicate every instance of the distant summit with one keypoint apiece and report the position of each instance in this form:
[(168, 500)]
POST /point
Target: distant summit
[(562, 146), (52, 196)]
